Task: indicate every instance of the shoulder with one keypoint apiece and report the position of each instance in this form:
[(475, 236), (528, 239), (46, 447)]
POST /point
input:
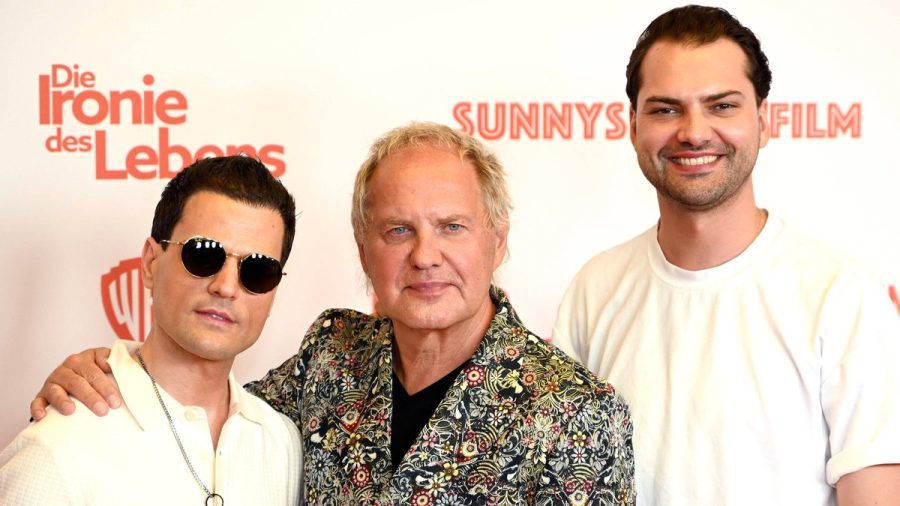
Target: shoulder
[(44, 463), (593, 291), (546, 371), (347, 327), (60, 440), (609, 268), (812, 253), (820, 269), (621, 255), (563, 377), (594, 422), (339, 333)]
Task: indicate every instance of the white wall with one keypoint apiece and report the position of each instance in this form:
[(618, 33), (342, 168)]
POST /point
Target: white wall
[(324, 79)]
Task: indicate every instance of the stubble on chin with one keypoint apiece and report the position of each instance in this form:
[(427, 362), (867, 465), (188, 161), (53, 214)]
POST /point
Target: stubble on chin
[(698, 192)]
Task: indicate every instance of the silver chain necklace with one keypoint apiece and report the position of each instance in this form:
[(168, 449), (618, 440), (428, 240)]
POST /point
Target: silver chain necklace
[(210, 496)]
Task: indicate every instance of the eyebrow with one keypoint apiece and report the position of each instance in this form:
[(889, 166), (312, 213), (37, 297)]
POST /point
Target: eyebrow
[(721, 95), (710, 98), (455, 218), (450, 218)]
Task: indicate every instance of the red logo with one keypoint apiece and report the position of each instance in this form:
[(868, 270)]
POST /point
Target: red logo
[(125, 300), (892, 292), (596, 120), (70, 101)]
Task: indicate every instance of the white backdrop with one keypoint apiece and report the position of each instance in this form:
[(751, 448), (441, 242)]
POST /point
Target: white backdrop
[(319, 81)]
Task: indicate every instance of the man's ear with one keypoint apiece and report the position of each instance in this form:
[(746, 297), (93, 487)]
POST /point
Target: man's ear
[(632, 126), (150, 254), (502, 233), (362, 257), (763, 123)]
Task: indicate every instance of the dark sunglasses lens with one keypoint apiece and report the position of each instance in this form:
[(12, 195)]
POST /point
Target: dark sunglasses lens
[(259, 273), (203, 257)]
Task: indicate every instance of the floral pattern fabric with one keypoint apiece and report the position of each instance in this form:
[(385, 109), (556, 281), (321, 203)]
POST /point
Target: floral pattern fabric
[(522, 423)]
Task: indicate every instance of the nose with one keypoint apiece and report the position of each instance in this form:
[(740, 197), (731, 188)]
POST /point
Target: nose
[(426, 251), (694, 128), (226, 283)]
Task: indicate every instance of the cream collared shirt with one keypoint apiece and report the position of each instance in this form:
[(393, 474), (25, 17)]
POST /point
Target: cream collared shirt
[(130, 456)]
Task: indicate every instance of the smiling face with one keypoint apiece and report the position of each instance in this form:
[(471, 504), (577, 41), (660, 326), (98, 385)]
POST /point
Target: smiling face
[(212, 318), (428, 249), (696, 127)]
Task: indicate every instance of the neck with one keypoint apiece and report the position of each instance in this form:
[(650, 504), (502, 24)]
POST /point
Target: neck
[(423, 356), (702, 239), (190, 380)]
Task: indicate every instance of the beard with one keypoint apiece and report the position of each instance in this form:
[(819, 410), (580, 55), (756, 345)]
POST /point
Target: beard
[(703, 191)]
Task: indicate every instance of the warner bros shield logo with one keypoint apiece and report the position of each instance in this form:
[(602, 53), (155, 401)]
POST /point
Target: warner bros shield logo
[(126, 301)]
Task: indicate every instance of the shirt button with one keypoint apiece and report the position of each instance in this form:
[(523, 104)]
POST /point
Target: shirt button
[(194, 414)]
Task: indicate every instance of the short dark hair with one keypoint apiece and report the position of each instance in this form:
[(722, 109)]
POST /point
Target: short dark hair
[(698, 25), (237, 177)]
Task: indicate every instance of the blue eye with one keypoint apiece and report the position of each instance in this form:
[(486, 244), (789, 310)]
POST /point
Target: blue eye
[(398, 230), (454, 227)]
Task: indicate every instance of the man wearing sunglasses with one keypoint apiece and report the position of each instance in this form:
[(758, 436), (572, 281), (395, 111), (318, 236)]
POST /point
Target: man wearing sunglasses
[(186, 432), (446, 397)]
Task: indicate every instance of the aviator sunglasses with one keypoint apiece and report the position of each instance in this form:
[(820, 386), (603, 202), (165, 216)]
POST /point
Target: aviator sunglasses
[(203, 257)]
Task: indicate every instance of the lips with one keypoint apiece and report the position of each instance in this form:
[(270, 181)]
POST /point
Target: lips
[(213, 315), (428, 288)]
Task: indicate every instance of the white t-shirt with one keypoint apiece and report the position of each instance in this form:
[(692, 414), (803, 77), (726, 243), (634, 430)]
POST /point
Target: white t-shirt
[(130, 456), (761, 381)]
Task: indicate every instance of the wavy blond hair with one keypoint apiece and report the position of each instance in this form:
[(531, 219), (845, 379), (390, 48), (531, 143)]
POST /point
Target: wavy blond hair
[(490, 173)]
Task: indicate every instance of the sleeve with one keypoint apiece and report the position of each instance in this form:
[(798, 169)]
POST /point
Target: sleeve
[(32, 473), (594, 458), (860, 340)]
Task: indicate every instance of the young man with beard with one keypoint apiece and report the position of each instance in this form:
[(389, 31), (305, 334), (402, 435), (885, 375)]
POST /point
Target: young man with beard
[(760, 365)]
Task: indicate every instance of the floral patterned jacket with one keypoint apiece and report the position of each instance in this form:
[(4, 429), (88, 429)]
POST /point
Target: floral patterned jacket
[(523, 423)]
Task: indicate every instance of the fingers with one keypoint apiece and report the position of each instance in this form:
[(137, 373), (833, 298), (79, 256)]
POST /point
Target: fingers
[(101, 358), (57, 397), (83, 376), (100, 381), (38, 408)]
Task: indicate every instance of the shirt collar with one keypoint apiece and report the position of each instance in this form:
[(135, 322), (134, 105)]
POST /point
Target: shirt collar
[(712, 276), (137, 392)]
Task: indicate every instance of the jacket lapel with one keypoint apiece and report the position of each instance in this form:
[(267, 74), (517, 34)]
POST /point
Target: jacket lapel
[(479, 411)]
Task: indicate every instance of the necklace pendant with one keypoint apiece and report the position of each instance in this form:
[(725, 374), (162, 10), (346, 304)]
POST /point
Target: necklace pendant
[(214, 500)]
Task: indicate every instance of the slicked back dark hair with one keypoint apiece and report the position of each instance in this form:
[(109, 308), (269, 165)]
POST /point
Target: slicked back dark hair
[(697, 25), (240, 178)]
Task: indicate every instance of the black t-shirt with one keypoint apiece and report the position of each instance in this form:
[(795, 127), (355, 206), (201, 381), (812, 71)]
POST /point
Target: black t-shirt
[(412, 412)]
